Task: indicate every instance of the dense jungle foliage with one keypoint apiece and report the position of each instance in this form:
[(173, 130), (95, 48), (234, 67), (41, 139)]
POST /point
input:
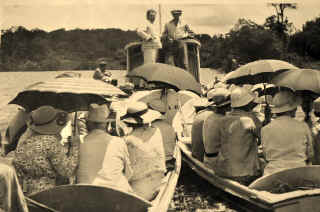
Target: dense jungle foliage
[(78, 49)]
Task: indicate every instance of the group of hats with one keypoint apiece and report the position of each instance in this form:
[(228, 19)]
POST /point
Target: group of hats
[(134, 113), (222, 96)]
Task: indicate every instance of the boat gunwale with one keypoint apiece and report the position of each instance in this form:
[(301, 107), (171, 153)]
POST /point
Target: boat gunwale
[(169, 189)]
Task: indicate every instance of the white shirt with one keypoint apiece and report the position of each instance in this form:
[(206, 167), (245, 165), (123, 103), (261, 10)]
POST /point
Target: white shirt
[(181, 30), (149, 31), (116, 170)]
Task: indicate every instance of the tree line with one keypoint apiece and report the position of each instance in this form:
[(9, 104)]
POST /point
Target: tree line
[(78, 49)]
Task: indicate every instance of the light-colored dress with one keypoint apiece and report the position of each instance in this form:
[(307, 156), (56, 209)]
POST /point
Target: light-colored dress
[(147, 159)]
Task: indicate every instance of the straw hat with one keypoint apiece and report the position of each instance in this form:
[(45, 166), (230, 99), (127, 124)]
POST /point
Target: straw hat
[(47, 120), (316, 105), (284, 101), (138, 113), (219, 96), (98, 113), (241, 96)]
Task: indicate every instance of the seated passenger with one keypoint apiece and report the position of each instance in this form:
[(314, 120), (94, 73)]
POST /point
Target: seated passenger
[(316, 132), (210, 130), (215, 98), (16, 128), (286, 142), (95, 144), (239, 135), (39, 157), (101, 73), (11, 195), (145, 148)]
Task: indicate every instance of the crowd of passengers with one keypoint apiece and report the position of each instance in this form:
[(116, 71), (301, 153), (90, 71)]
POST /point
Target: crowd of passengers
[(231, 136), (130, 144), (127, 144)]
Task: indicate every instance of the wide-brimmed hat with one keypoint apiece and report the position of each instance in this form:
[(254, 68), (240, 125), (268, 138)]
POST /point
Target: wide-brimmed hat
[(98, 113), (284, 101), (316, 105), (139, 113), (47, 120), (176, 12), (219, 97), (241, 96)]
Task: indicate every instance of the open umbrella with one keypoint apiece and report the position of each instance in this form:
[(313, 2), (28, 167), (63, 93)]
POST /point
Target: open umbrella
[(69, 94), (260, 71), (302, 80), (168, 74)]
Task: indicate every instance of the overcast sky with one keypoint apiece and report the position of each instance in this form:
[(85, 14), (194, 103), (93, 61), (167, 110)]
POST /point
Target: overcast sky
[(206, 16)]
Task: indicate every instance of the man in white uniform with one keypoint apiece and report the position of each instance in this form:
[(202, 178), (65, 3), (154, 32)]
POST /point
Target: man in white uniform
[(150, 37)]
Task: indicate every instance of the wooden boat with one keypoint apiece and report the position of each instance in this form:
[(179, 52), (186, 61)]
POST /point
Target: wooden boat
[(304, 199), (191, 53), (84, 198)]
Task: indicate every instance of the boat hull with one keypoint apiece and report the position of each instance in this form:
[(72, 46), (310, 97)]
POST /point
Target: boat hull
[(296, 201)]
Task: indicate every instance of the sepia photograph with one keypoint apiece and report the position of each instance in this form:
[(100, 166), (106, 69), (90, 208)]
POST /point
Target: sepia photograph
[(159, 105)]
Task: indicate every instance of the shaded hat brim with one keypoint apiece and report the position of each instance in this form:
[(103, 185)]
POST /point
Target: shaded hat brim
[(148, 117), (221, 104), (286, 107), (51, 128)]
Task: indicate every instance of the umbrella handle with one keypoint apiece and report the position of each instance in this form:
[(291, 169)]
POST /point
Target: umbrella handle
[(74, 131)]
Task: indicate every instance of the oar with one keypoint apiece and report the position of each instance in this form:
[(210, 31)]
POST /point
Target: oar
[(40, 205)]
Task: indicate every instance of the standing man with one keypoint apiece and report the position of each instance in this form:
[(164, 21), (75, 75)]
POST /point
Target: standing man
[(151, 39), (148, 32), (101, 73), (173, 32)]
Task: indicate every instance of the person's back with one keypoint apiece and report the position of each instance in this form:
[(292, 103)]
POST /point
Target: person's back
[(168, 138), (92, 152), (147, 160), (95, 144), (285, 150), (197, 135), (286, 142), (239, 135), (146, 149), (203, 136), (239, 147)]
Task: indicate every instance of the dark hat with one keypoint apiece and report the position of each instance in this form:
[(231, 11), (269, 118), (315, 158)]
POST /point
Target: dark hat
[(47, 120), (174, 12)]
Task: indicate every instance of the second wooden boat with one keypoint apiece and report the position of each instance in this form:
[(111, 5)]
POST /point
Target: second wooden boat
[(305, 198)]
